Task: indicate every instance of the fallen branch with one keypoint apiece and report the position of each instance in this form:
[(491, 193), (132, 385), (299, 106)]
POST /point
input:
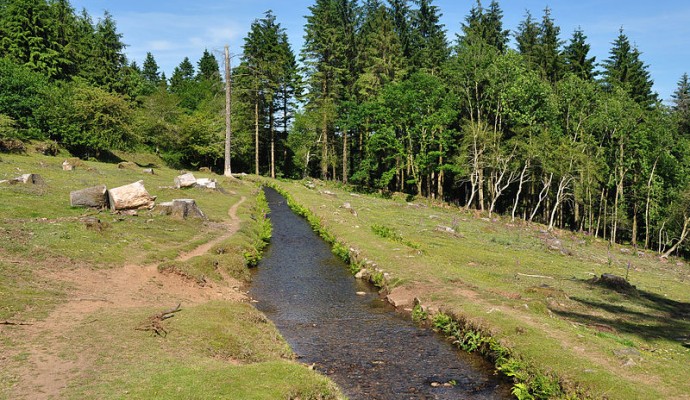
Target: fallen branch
[(536, 276), (14, 323), (154, 322)]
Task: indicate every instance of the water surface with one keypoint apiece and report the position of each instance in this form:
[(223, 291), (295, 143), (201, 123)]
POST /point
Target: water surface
[(359, 341)]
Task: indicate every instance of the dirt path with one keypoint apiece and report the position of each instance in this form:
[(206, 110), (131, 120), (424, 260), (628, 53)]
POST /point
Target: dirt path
[(131, 286)]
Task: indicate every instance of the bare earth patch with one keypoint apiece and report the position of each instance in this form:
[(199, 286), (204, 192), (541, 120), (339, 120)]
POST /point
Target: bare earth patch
[(132, 286)]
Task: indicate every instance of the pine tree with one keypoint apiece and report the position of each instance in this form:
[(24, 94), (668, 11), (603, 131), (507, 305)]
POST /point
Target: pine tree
[(26, 36), (624, 69), (106, 59), (576, 55), (549, 57), (208, 67), (400, 9), (150, 70), (527, 38), (182, 74), (327, 54), (380, 58), (486, 25), (429, 44), (681, 105)]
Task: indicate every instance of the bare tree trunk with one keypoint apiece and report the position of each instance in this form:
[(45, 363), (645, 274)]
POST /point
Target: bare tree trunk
[(345, 154), (542, 194), (480, 188), (439, 184), (256, 135), (647, 205), (273, 143), (560, 195), (517, 195), (683, 235)]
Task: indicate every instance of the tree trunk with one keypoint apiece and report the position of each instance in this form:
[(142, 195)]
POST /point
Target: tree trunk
[(517, 195), (89, 197), (130, 196), (273, 143), (683, 235), (542, 194), (345, 155), (256, 135), (647, 205)]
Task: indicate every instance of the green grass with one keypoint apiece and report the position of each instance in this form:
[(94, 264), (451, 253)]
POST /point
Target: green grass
[(527, 288), (215, 350)]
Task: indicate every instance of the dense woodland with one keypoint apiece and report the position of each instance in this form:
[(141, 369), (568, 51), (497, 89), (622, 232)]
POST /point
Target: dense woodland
[(378, 97)]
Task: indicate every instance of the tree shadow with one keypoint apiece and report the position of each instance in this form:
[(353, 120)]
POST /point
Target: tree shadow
[(640, 313)]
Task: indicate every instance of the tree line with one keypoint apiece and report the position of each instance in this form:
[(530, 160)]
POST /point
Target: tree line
[(381, 98)]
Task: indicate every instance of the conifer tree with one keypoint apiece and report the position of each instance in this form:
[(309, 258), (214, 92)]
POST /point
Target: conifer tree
[(576, 55), (400, 9), (681, 105), (624, 69), (548, 53), (150, 70), (428, 40), (208, 67), (527, 38), (327, 46), (486, 25)]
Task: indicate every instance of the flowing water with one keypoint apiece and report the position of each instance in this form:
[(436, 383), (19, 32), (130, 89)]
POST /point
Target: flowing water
[(359, 341)]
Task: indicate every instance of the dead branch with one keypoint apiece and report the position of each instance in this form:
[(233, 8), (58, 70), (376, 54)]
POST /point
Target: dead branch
[(155, 322), (536, 276), (14, 323)]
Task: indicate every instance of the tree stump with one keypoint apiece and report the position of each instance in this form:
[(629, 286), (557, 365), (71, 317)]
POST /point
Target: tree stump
[(164, 208), (185, 180), (89, 197), (130, 196), (67, 166), (186, 208), (615, 282)]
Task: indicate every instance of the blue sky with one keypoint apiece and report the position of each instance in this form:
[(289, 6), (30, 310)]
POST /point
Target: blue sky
[(174, 29)]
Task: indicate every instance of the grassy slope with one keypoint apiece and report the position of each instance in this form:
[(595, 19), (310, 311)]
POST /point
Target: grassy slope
[(219, 349), (600, 343)]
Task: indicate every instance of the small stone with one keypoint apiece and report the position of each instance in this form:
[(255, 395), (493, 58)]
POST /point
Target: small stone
[(435, 384), (361, 293)]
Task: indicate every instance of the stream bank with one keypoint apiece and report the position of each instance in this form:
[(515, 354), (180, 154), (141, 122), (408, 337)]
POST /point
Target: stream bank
[(340, 325)]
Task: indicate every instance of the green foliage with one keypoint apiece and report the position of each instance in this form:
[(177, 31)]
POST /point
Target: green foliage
[(419, 315)]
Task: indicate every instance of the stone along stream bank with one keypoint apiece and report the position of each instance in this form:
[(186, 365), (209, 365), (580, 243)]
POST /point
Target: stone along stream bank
[(358, 340)]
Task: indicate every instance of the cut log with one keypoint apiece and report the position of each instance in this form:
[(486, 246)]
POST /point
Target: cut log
[(130, 197), (206, 183), (67, 166), (32, 179), (186, 208), (89, 197), (185, 180), (148, 171)]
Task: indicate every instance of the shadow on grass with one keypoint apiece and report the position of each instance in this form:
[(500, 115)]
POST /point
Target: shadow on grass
[(641, 313)]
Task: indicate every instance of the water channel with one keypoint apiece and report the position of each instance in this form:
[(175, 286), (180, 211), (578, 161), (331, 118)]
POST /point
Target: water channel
[(358, 340)]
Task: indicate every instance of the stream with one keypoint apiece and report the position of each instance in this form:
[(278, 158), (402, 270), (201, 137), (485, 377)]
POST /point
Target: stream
[(359, 341)]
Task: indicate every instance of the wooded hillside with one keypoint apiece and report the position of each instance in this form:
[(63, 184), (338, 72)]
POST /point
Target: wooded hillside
[(380, 98)]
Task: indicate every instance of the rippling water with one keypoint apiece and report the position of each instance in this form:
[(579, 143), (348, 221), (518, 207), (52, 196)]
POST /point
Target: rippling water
[(359, 341)]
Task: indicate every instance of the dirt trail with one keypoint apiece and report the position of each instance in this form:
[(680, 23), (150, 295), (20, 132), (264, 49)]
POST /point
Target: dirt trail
[(131, 286)]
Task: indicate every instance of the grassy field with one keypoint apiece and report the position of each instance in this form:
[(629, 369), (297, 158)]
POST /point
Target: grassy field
[(531, 290), (59, 310)]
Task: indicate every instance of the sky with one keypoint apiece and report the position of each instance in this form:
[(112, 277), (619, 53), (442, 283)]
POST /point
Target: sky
[(174, 29)]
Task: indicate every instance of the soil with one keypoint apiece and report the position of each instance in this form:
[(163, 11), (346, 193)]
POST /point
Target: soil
[(127, 287)]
